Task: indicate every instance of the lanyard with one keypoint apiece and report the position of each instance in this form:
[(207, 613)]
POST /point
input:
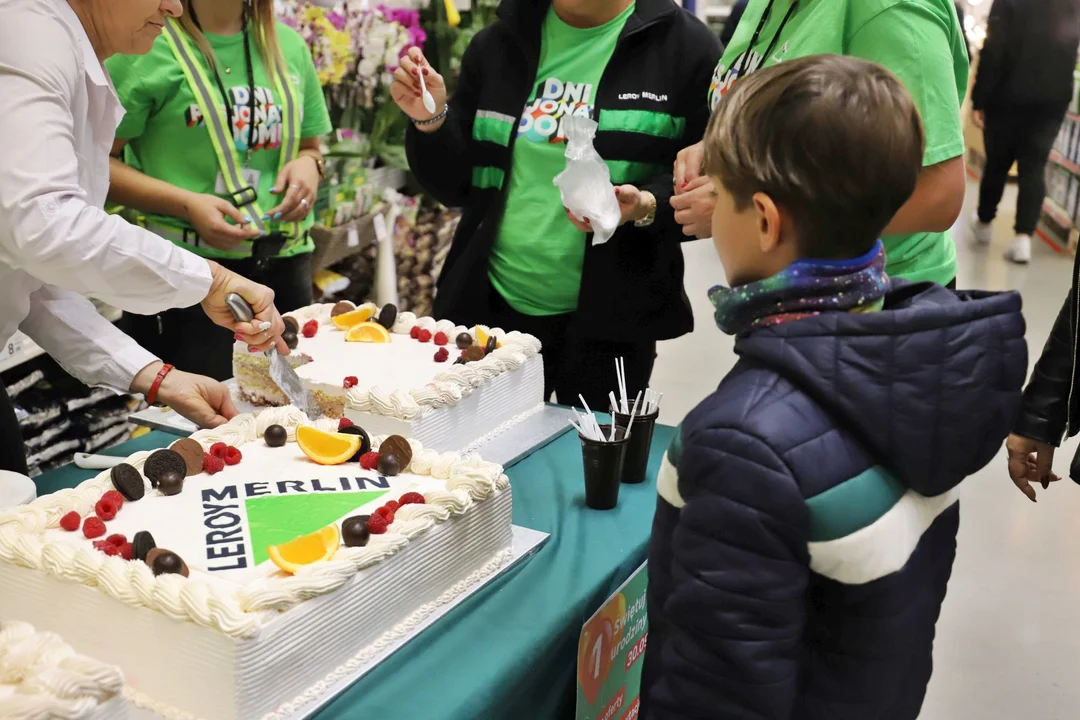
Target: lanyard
[(251, 85), (745, 57)]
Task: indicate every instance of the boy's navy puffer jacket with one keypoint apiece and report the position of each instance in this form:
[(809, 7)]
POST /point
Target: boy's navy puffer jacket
[(808, 510)]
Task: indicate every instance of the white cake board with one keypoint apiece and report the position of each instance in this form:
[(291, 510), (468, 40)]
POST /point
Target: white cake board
[(526, 543), (505, 448)]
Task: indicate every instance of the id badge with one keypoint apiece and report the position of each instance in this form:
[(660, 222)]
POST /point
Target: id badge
[(251, 179)]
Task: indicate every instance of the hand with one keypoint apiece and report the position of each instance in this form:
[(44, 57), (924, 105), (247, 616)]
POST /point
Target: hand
[(1030, 461), (261, 300), (406, 93), (201, 400), (979, 118), (694, 208), (631, 204), (207, 215), (298, 182), (688, 166)]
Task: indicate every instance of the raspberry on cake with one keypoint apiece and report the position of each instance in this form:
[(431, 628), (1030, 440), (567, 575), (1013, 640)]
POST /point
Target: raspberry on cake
[(405, 389), (214, 626)]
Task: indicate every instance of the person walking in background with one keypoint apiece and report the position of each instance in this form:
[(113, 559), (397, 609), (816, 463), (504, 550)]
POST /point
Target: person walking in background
[(274, 111), (917, 241), (1022, 91), (806, 524), (518, 260)]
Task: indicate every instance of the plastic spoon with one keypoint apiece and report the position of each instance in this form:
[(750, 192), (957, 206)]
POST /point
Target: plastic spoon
[(429, 101)]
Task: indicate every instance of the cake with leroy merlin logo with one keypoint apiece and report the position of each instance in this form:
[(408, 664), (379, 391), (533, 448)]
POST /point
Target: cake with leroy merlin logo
[(243, 571), (446, 385)]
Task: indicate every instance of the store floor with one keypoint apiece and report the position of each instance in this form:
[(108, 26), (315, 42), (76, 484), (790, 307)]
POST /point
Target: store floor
[(1008, 642)]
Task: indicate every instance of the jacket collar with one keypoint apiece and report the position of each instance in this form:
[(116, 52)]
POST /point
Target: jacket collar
[(526, 16)]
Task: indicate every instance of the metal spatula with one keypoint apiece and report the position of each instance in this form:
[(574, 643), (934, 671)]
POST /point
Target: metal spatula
[(281, 372)]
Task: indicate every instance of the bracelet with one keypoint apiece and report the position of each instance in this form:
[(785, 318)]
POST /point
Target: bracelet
[(650, 217), (152, 395), (431, 121)]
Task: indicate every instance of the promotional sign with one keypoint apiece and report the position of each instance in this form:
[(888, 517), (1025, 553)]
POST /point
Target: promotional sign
[(610, 653)]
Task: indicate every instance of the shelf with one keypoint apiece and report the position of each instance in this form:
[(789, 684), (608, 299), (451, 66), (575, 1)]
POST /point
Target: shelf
[(1056, 213), (18, 350), (1061, 161)]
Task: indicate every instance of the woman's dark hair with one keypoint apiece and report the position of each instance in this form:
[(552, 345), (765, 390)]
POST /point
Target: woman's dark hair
[(835, 141)]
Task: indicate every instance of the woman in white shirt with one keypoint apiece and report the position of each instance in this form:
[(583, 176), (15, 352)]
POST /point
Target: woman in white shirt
[(57, 244)]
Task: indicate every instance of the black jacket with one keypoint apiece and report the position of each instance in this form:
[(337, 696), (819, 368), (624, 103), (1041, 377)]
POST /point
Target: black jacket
[(1029, 55), (1049, 412), (658, 81)]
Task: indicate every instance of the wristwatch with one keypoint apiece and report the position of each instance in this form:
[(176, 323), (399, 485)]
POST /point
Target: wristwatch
[(650, 217), (320, 165)]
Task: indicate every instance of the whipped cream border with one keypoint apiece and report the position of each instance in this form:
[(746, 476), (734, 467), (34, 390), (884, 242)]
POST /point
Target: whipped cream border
[(238, 614), (449, 386), (50, 678)]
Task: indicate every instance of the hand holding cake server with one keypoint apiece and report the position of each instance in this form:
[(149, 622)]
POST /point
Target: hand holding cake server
[(57, 244)]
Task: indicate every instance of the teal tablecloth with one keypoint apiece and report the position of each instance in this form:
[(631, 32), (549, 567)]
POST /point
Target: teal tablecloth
[(510, 650)]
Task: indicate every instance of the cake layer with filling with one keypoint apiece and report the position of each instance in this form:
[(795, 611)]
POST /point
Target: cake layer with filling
[(239, 637), (402, 386), (41, 677)]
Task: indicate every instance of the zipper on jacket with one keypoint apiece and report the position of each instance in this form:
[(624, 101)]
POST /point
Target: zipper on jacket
[(1075, 329)]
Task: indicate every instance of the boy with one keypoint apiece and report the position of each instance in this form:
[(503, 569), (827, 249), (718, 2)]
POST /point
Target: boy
[(806, 525)]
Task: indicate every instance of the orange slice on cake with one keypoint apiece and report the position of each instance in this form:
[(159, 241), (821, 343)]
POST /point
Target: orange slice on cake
[(327, 448), (351, 319), (368, 332), (482, 334), (306, 549)]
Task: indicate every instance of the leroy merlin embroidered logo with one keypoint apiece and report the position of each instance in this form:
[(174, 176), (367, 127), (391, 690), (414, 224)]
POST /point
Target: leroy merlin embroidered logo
[(542, 120), (241, 521)]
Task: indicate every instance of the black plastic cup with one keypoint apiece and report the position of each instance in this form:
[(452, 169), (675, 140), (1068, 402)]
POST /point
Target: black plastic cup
[(637, 445), (603, 462)]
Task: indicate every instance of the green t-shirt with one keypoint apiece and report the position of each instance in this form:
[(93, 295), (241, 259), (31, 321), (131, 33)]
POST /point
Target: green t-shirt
[(920, 41), (168, 135), (537, 258)]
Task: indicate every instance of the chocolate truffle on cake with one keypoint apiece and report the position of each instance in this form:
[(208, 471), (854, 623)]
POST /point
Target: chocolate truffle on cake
[(354, 531), (399, 447), (291, 325), (291, 339), (276, 436), (171, 483), (166, 562), (389, 464), (464, 341)]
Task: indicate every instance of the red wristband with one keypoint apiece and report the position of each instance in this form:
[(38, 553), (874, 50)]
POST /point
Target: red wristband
[(152, 395)]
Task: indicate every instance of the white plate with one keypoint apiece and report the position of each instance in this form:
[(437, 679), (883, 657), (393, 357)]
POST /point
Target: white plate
[(15, 489)]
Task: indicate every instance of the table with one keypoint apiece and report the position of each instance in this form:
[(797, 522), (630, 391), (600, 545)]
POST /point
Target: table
[(510, 650)]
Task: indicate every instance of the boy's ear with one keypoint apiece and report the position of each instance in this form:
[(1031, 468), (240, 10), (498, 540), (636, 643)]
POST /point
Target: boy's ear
[(768, 222)]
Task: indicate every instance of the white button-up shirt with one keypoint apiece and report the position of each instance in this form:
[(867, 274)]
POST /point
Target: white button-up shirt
[(57, 244)]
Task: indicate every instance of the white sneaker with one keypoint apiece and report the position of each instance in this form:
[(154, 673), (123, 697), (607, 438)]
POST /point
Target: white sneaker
[(981, 233), (1020, 250)]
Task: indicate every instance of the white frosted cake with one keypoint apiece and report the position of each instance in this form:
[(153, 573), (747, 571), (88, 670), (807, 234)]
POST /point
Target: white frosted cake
[(260, 627), (43, 678), (400, 386)]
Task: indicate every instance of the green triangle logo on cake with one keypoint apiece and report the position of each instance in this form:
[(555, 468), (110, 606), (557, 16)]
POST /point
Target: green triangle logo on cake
[(276, 519)]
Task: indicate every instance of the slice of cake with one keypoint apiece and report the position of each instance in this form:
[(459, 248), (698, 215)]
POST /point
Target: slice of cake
[(450, 387), (41, 677), (276, 567)]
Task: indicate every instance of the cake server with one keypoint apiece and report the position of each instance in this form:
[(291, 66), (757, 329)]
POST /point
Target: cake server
[(281, 372)]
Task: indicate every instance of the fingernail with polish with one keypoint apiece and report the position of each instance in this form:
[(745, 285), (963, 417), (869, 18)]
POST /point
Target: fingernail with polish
[(277, 216), (266, 217), (273, 189), (248, 218), (237, 337), (253, 349)]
